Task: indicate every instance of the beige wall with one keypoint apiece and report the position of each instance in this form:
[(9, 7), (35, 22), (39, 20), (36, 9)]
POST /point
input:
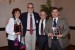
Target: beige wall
[(5, 13), (6, 8), (68, 9), (69, 13), (72, 40), (3, 39)]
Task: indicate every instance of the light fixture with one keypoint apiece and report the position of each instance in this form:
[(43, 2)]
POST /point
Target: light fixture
[(11, 1)]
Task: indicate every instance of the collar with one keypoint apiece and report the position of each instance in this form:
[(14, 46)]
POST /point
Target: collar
[(55, 18), (29, 13), (43, 20)]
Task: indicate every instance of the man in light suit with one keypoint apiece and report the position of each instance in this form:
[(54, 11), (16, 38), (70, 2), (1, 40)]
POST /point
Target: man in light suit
[(59, 41), (30, 22)]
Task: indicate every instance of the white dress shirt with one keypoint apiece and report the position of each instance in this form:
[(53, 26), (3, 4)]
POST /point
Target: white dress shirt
[(56, 19), (28, 21), (10, 29), (44, 22)]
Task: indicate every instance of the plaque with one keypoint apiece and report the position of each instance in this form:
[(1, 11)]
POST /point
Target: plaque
[(56, 31), (17, 28)]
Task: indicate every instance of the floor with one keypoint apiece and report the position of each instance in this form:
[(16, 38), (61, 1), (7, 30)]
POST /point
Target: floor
[(71, 47)]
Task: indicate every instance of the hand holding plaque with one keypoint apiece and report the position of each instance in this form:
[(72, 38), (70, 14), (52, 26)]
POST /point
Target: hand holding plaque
[(17, 28), (56, 31)]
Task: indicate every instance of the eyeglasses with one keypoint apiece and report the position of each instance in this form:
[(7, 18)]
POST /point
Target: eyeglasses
[(30, 7)]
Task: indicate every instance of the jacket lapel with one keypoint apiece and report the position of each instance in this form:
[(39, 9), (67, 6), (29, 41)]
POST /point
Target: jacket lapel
[(51, 24), (58, 22)]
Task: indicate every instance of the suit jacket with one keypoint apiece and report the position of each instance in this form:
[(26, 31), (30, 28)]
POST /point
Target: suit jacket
[(24, 21), (64, 29)]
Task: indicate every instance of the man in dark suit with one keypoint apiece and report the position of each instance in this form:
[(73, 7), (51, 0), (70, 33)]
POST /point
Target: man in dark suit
[(57, 40), (30, 22), (42, 36)]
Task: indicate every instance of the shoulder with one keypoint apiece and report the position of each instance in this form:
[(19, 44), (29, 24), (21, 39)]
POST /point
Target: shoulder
[(63, 20), (24, 13), (47, 21), (50, 18), (11, 19), (36, 15)]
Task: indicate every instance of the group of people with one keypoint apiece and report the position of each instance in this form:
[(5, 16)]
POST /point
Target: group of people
[(28, 27)]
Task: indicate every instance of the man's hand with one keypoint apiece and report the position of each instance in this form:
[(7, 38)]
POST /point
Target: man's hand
[(60, 35), (50, 35)]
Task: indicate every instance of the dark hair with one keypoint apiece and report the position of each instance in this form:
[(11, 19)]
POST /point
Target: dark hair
[(15, 10), (53, 8)]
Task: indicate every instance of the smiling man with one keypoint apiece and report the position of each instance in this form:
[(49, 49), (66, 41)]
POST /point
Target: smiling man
[(57, 41), (30, 21)]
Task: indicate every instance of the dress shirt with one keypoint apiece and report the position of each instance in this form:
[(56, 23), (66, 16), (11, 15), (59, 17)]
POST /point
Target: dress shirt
[(56, 19), (33, 21), (44, 22)]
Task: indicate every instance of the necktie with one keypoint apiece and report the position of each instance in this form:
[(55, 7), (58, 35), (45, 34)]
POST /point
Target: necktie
[(31, 31), (42, 27), (54, 23)]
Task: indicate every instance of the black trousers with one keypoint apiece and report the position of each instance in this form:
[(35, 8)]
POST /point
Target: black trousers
[(55, 45), (11, 45), (43, 42)]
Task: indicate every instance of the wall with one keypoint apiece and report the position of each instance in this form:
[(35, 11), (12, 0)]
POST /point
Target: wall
[(3, 39), (68, 10), (5, 13), (6, 8), (69, 13), (72, 40)]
